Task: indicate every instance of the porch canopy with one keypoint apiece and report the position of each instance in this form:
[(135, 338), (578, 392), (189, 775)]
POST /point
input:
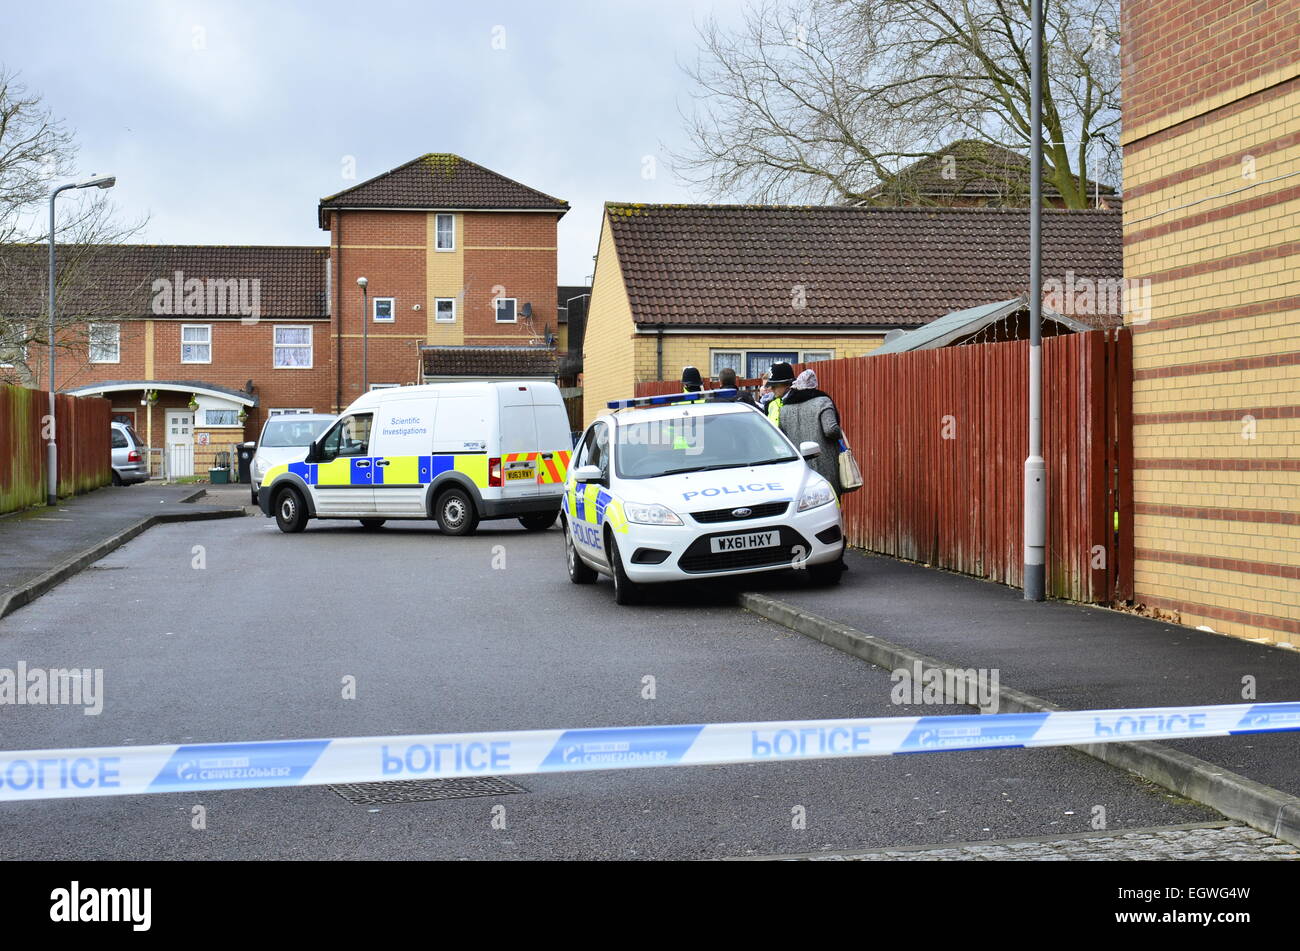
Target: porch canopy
[(194, 387)]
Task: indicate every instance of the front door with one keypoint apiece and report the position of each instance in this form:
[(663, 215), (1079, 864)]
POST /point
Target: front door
[(180, 443)]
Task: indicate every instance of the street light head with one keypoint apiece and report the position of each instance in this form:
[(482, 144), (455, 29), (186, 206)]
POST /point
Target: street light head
[(100, 181), (362, 282)]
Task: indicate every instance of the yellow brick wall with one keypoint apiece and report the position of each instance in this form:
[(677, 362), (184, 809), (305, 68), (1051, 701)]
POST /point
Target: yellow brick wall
[(680, 350), (1218, 523), (444, 277), (607, 350)]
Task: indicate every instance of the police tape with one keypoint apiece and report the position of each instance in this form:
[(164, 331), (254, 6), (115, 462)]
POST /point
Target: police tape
[(134, 770)]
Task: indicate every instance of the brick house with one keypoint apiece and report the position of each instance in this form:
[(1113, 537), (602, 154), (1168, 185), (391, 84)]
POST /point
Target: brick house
[(748, 285), (196, 345), (1211, 154)]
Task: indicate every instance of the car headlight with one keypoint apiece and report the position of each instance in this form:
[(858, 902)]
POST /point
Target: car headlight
[(650, 514), (815, 494), (259, 469)]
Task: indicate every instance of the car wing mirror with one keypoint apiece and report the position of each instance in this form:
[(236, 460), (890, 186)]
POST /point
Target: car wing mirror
[(587, 474), (313, 452), (809, 449)]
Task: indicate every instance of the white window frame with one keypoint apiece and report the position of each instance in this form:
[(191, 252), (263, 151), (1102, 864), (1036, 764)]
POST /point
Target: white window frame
[(288, 412), (437, 232), (308, 346), (437, 317), (224, 409), (713, 362), (193, 343), (804, 358), (392, 310), (514, 309), (715, 352), (383, 386), (91, 343)]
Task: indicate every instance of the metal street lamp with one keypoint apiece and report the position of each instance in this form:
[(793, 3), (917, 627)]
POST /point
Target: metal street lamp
[(1035, 584), (365, 336), (52, 448)]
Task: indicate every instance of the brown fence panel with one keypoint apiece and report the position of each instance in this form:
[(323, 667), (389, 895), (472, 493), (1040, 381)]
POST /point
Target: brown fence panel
[(85, 454), (942, 436)]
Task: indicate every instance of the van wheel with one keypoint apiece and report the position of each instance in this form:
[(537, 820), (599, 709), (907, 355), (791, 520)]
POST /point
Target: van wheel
[(290, 512), (579, 571), (455, 513), (537, 523), (372, 523), (625, 591)]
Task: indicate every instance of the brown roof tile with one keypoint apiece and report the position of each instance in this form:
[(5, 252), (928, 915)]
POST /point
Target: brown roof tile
[(522, 362), (117, 280), (440, 180), (740, 265)]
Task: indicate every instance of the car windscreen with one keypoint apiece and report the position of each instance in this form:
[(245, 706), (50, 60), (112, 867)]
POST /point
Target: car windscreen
[(285, 433), (697, 443)]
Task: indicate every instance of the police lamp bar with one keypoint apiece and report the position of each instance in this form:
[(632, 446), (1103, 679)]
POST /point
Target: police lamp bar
[(668, 398)]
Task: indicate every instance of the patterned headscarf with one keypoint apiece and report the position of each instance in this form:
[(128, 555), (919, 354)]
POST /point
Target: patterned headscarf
[(807, 380)]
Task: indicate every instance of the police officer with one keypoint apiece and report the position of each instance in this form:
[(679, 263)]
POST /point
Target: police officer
[(692, 382), (780, 380), (727, 381)]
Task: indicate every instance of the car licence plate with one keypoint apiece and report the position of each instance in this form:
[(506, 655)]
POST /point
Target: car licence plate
[(745, 542)]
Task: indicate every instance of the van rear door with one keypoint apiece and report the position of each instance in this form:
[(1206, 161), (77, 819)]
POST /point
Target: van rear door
[(553, 440), (519, 457)]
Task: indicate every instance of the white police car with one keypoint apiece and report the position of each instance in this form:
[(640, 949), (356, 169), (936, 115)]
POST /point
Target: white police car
[(672, 488)]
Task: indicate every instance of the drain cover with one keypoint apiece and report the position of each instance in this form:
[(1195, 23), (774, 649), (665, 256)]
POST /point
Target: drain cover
[(425, 790)]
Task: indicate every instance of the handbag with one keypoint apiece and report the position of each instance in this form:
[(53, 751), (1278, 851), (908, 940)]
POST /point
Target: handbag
[(850, 474)]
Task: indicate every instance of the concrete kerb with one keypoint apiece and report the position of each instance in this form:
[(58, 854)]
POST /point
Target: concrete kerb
[(1258, 806), (33, 589)]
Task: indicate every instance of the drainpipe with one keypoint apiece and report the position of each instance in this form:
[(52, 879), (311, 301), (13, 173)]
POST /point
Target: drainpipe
[(659, 354), (338, 312)]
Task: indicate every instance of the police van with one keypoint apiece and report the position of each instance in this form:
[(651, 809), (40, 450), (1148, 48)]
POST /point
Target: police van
[(453, 452), (691, 486)]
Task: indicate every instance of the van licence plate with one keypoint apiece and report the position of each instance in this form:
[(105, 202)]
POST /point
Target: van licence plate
[(745, 542), (522, 474)]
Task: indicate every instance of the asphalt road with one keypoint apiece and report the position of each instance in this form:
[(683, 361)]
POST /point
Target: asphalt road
[(256, 643)]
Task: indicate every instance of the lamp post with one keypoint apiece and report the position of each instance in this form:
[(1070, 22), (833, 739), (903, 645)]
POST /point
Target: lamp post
[(365, 336), (52, 448), (1035, 567)]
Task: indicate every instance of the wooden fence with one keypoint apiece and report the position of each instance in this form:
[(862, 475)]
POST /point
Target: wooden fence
[(85, 453), (942, 435)]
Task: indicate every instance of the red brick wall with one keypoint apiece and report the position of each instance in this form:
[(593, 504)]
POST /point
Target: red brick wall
[(529, 276), (1177, 53)]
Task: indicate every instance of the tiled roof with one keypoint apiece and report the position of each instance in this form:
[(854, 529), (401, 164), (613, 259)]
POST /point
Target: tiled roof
[(751, 266), (471, 362), (117, 280), (976, 170), (440, 180)]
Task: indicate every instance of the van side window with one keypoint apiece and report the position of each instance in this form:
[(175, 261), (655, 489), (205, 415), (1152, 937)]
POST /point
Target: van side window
[(349, 437)]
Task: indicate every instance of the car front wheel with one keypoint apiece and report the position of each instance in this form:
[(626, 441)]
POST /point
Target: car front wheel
[(290, 512), (579, 571), (626, 591)]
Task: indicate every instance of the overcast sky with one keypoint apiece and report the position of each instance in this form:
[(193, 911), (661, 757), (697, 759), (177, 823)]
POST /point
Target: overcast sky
[(226, 122)]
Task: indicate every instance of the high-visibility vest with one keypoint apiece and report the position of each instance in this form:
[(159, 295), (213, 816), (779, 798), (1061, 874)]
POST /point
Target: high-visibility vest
[(774, 411)]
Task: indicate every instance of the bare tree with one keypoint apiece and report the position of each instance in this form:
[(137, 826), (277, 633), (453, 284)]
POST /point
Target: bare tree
[(824, 100), (36, 153)]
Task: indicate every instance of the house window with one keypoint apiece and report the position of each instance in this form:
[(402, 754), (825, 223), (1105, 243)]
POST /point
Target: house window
[(384, 309), (221, 417), (384, 386), (726, 358), (196, 343), (292, 348), (505, 310), (446, 237), (444, 309), (105, 343), (287, 412), (813, 356)]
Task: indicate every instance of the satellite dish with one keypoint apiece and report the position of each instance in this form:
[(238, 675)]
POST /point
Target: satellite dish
[(527, 310)]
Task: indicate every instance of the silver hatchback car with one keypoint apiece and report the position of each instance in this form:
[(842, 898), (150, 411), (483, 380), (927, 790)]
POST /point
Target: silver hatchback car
[(130, 460)]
